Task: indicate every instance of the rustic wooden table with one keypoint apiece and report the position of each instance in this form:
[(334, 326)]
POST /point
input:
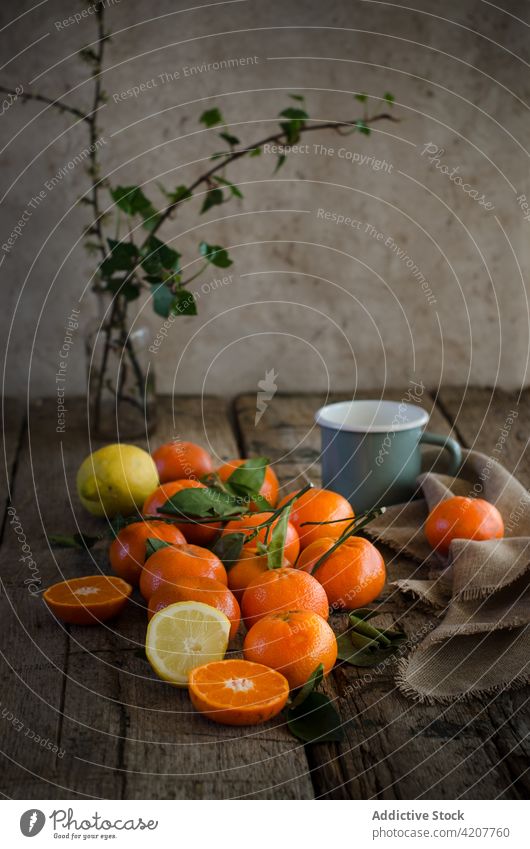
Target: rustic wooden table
[(82, 716)]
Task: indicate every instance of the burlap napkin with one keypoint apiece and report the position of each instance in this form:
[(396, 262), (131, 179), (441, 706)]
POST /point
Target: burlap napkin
[(481, 592)]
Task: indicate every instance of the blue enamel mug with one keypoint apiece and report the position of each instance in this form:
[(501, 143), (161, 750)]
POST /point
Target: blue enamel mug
[(371, 450)]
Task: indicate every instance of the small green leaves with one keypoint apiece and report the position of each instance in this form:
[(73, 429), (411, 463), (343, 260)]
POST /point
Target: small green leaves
[(132, 201), (215, 254), (162, 299), (299, 97), (183, 303), (315, 721), (255, 151), (281, 159), (211, 117), (363, 127), (390, 99), (214, 197), (123, 286), (74, 541), (233, 189), (153, 544), (311, 684), (247, 479), (228, 548), (311, 717), (231, 140), (159, 257), (179, 194), (204, 503), (123, 257), (277, 543), (362, 98), (296, 121), (363, 644)]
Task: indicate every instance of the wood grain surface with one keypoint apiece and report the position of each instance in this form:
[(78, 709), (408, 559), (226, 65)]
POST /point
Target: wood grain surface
[(82, 714)]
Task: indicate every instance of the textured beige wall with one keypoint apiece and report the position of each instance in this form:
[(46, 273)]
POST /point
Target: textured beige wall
[(319, 302)]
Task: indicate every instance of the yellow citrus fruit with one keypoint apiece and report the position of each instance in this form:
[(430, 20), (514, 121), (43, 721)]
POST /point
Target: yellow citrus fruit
[(183, 636), (116, 480)]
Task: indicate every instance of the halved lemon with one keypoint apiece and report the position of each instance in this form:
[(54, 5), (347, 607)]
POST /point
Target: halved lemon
[(183, 636)]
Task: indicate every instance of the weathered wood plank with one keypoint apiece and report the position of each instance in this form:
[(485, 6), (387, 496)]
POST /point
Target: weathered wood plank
[(393, 748), (485, 421), (121, 731)]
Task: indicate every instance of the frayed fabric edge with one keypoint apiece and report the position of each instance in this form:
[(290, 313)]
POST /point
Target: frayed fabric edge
[(411, 692)]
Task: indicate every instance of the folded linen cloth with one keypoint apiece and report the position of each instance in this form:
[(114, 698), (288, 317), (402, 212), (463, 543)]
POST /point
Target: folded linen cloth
[(481, 592)]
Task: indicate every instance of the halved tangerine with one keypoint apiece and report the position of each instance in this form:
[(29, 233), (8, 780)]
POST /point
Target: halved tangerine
[(237, 692), (87, 601)]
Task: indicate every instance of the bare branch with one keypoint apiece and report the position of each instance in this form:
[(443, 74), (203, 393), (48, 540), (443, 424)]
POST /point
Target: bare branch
[(62, 107)]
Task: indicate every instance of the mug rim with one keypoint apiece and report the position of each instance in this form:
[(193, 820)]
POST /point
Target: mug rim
[(323, 416)]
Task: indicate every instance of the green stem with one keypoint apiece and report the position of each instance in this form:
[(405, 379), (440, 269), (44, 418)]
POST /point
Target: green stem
[(355, 526)]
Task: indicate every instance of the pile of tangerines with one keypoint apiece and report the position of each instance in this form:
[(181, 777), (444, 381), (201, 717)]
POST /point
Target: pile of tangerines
[(278, 565)]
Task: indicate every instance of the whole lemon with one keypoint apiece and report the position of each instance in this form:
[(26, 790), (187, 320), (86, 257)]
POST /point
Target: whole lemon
[(116, 479)]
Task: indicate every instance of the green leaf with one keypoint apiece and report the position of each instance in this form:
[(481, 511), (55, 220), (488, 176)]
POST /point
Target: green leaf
[(298, 97), (295, 123), (153, 544), (363, 128), (159, 257), (214, 197), (247, 479), (232, 140), (162, 299), (180, 193), (123, 286), (211, 117), (294, 114), (233, 189), (203, 503), (183, 303), (362, 650), (228, 548), (132, 201), (120, 522), (362, 98), (315, 721), (277, 542), (215, 254), (389, 98), (281, 159), (74, 541), (311, 684), (256, 151), (123, 257)]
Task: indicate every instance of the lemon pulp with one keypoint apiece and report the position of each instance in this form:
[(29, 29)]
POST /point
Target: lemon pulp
[(185, 635)]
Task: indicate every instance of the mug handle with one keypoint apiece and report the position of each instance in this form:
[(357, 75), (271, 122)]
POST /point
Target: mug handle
[(449, 444)]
